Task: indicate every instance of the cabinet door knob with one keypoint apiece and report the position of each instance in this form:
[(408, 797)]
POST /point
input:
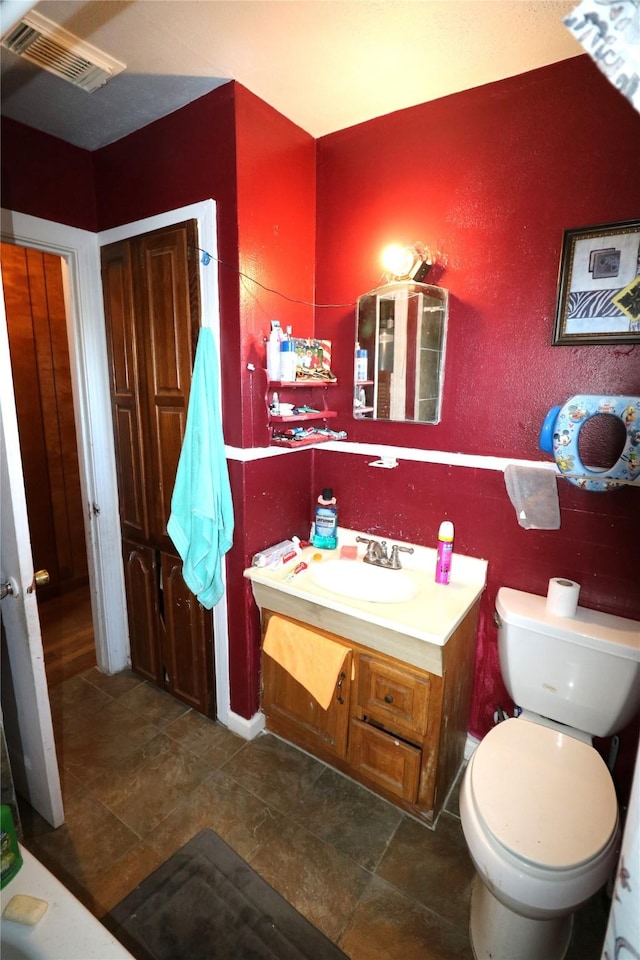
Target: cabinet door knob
[(341, 680), (388, 698)]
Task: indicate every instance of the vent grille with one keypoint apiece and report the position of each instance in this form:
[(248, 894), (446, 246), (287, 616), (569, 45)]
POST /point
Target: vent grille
[(49, 46)]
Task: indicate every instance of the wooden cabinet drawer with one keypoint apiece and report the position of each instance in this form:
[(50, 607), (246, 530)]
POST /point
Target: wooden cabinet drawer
[(396, 698), (385, 760)]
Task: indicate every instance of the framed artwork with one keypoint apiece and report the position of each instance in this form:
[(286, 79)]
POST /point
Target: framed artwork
[(599, 285)]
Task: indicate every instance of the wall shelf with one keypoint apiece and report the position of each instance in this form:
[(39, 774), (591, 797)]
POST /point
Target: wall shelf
[(274, 419)]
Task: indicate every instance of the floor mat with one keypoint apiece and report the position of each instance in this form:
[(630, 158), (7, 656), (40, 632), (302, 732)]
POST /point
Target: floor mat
[(206, 903)]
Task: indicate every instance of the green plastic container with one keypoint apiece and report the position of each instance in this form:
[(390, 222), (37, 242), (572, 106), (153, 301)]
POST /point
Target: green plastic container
[(10, 856)]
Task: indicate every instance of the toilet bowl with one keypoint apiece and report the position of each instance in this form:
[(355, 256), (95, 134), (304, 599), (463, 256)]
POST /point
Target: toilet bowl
[(541, 843)]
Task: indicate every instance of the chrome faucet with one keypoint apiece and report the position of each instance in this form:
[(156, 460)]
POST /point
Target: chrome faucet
[(377, 553)]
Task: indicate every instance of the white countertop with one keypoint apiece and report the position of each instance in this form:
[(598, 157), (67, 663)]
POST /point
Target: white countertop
[(67, 931), (408, 630)]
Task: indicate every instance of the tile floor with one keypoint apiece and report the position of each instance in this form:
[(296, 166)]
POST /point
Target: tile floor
[(142, 774)]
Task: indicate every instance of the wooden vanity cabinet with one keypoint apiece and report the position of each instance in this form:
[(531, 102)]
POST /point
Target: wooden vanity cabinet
[(397, 729), (296, 715)]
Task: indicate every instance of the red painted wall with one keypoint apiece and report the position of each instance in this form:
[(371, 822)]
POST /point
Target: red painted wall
[(492, 177), (47, 178)]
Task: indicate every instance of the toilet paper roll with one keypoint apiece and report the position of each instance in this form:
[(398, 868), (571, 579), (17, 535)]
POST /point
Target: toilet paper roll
[(562, 597)]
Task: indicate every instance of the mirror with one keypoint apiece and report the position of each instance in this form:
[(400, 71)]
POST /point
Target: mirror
[(400, 347)]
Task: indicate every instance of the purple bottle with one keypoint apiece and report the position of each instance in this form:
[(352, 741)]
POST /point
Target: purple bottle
[(445, 549)]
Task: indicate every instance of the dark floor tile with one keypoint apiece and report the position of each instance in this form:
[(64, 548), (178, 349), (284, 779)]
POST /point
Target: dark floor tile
[(589, 929), (386, 925), (206, 738), (149, 783), (95, 743), (275, 771), (323, 884), (153, 704), (432, 866), (243, 820), (115, 685), (91, 839), (349, 817)]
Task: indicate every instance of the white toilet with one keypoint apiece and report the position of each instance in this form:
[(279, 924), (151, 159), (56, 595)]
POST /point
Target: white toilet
[(537, 802)]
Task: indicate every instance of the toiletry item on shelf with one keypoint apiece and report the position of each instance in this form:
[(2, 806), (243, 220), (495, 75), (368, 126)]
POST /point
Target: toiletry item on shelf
[(445, 549), (10, 856), (287, 361), (275, 405), (273, 351), (325, 533), (362, 363)]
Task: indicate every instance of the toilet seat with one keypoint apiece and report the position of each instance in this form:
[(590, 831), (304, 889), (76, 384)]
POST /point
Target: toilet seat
[(544, 796)]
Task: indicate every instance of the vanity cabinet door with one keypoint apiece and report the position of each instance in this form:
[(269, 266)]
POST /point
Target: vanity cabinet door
[(387, 761), (392, 697), (293, 713)]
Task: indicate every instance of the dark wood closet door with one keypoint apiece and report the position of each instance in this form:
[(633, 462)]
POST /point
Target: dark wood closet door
[(127, 370), (186, 625), (152, 312), (141, 577), (169, 313)]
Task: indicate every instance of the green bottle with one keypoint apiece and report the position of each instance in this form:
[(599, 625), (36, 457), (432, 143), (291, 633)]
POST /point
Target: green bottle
[(10, 856)]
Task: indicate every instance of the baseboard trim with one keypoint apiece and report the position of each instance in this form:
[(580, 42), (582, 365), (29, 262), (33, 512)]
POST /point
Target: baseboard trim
[(247, 729)]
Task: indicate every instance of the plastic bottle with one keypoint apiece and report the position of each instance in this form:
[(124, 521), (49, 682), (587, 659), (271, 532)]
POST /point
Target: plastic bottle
[(445, 549), (362, 363), (325, 533), (10, 856), (273, 354), (287, 361)]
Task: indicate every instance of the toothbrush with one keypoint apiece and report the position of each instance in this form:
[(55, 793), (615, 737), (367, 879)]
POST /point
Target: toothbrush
[(294, 573)]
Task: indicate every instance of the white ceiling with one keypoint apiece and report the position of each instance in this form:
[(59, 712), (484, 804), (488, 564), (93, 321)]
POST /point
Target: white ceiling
[(324, 64)]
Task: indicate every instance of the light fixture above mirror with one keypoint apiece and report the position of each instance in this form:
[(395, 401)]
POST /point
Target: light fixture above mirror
[(409, 261)]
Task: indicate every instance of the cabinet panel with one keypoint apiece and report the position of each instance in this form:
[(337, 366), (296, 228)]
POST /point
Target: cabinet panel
[(167, 314), (140, 580), (387, 761), (126, 371), (394, 697), (291, 709), (187, 634)]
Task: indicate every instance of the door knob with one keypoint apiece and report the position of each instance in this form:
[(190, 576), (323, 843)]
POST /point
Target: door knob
[(40, 579)]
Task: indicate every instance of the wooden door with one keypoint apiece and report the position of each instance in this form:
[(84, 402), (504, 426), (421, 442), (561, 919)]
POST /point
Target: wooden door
[(168, 317), (141, 577), (152, 311), (187, 640), (37, 328)]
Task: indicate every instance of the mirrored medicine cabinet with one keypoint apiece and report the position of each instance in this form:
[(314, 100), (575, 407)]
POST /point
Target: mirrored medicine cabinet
[(402, 327)]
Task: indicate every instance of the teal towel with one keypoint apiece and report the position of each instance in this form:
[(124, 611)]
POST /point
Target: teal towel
[(201, 521)]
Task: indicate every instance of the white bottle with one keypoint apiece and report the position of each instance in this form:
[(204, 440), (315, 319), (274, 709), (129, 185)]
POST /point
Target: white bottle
[(273, 356)]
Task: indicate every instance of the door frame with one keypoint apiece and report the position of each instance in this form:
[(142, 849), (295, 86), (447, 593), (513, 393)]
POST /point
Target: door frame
[(80, 251)]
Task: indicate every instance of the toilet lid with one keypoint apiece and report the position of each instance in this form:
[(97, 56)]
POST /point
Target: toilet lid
[(545, 796)]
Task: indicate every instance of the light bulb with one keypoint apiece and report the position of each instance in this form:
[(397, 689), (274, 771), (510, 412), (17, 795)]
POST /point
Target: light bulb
[(398, 260)]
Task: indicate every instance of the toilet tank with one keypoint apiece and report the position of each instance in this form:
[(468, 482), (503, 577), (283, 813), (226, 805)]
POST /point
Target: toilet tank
[(583, 671)]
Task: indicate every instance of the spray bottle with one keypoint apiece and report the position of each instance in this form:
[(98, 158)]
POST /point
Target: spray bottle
[(445, 549)]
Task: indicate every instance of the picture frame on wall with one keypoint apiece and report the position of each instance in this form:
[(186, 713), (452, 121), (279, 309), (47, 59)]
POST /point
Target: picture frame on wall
[(599, 285)]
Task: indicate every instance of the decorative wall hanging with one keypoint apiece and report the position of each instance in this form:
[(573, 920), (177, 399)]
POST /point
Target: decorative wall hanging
[(599, 285)]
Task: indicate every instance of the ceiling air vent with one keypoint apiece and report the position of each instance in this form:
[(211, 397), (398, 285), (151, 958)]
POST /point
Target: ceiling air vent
[(54, 49)]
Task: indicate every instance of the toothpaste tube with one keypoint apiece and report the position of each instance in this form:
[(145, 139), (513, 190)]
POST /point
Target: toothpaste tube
[(277, 555)]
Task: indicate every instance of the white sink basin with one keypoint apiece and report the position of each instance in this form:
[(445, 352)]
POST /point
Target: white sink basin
[(363, 581)]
